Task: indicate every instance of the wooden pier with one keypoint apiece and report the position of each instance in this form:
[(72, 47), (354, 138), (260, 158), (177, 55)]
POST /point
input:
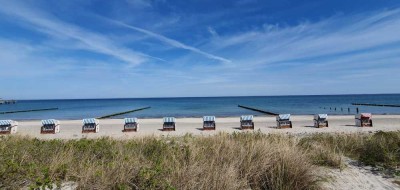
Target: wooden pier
[(379, 105), (7, 101), (258, 110), (122, 113), (19, 111)]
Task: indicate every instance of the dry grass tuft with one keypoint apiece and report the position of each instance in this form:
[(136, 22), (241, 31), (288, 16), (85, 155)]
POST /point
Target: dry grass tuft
[(378, 149), (224, 161)]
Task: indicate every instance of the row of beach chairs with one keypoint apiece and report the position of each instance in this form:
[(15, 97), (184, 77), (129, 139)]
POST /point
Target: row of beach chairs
[(91, 125)]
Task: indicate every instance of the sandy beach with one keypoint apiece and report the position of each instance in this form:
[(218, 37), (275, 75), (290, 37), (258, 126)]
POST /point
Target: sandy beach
[(71, 129)]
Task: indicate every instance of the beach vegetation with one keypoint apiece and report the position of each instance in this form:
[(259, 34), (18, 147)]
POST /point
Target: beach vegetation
[(224, 161), (380, 149)]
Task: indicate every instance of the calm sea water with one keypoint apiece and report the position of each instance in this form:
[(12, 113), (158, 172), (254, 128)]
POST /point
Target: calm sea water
[(190, 107)]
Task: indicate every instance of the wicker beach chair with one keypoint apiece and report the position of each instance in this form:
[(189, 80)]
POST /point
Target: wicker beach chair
[(131, 124), (364, 120), (209, 123), (169, 124), (50, 126), (8, 126), (246, 122), (321, 120), (283, 121), (90, 125)]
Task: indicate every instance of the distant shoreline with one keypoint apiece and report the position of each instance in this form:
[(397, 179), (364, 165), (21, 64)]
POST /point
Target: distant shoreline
[(175, 97)]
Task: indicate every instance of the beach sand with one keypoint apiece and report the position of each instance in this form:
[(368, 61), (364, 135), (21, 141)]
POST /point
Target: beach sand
[(356, 176), (302, 124)]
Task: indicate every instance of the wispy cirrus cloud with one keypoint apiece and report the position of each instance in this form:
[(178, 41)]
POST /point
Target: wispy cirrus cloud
[(170, 41), (362, 47), (43, 22), (342, 34), (212, 31)]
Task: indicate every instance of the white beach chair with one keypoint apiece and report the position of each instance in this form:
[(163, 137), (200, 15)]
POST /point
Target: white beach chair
[(283, 121), (209, 123), (169, 124), (8, 126), (246, 122), (364, 120), (51, 126), (90, 125), (131, 124), (321, 120)]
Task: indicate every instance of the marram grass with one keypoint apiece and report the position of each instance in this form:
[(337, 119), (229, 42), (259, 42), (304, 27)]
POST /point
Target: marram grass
[(224, 161)]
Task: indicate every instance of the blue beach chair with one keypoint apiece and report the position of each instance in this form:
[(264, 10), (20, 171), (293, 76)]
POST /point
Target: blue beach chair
[(169, 124), (209, 123), (8, 126), (50, 126), (246, 122), (131, 124), (90, 125), (283, 121)]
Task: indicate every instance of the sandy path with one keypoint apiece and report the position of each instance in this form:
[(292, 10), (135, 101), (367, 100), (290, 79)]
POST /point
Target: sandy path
[(71, 129), (355, 177)]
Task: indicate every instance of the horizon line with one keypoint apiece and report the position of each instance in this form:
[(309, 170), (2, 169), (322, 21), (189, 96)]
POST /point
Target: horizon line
[(172, 97)]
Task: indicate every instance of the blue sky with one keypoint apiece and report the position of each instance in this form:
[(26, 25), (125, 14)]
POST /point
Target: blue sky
[(162, 48)]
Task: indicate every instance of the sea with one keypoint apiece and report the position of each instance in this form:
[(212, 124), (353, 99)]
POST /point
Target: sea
[(200, 106)]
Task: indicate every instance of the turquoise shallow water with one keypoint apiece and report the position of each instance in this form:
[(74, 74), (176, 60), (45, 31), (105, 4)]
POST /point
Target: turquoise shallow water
[(195, 107)]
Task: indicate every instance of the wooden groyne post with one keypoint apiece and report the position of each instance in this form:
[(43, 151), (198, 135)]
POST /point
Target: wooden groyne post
[(122, 113), (380, 105), (257, 110), (19, 111)]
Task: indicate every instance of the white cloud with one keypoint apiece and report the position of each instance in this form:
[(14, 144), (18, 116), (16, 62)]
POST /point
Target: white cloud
[(212, 31), (328, 37), (171, 42), (40, 21)]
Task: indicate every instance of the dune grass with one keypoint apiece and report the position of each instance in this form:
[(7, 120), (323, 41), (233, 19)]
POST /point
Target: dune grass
[(379, 149), (237, 161), (224, 161)]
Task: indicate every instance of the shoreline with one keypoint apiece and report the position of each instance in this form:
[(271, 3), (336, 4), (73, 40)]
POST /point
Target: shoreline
[(197, 117), (302, 124)]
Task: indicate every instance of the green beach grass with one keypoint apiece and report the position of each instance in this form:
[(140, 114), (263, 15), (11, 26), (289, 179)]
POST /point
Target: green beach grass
[(224, 161)]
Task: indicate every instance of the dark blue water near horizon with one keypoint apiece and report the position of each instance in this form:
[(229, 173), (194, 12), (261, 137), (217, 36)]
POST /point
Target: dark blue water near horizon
[(200, 106)]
